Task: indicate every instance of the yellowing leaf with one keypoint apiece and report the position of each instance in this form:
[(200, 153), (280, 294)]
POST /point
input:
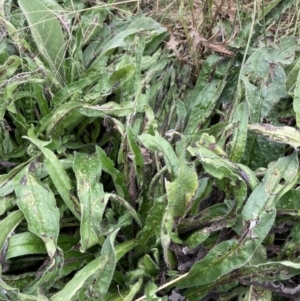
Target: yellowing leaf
[(284, 134)]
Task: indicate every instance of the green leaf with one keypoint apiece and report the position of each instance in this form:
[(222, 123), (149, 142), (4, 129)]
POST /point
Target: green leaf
[(134, 289), (108, 166), (216, 216), (181, 191), (118, 40), (238, 143), (10, 67), (269, 191), (72, 89), (7, 203), (91, 195), (149, 266), (264, 68), (258, 216), (8, 224), (124, 248), (55, 122), (42, 216), (125, 204), (9, 293), (136, 154), (296, 102), (152, 225), (284, 134), (215, 162), (46, 32), (204, 105), (99, 272), (159, 144), (109, 108), (292, 77), (27, 243), (57, 173)]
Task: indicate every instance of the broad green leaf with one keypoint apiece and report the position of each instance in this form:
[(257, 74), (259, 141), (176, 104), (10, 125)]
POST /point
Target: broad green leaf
[(42, 216), (215, 162), (271, 270), (265, 86), (13, 83), (10, 67), (296, 102), (43, 220), (136, 154), (148, 61), (14, 34), (217, 217), (124, 204), (166, 235), (100, 271), (202, 79), (88, 28), (149, 266), (57, 173), (87, 170), (56, 122), (159, 144), (268, 272), (118, 41), (293, 78), (146, 23), (152, 226), (72, 89), (289, 201), (266, 194), (46, 32), (7, 203), (181, 191), (7, 188), (248, 175), (108, 166), (284, 134), (8, 224), (258, 215), (27, 243), (74, 261), (238, 143), (204, 106), (259, 151), (150, 293), (10, 293), (272, 88), (109, 108), (121, 75), (142, 23), (6, 183), (123, 248), (134, 289)]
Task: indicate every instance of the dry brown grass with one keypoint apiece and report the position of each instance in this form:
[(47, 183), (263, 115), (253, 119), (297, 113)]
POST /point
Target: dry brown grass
[(198, 28)]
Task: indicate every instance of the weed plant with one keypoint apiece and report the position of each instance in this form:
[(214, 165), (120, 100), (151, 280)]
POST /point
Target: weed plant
[(149, 150)]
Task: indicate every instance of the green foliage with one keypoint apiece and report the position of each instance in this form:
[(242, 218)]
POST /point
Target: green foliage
[(116, 173)]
